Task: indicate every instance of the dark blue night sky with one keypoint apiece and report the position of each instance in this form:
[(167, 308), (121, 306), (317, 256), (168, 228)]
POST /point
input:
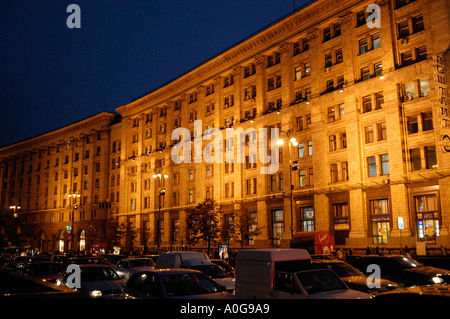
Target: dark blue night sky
[(51, 76)]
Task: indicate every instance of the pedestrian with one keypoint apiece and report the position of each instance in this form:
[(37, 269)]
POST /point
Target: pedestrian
[(368, 251), (377, 250)]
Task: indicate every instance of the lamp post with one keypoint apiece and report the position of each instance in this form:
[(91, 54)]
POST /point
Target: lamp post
[(15, 208), (293, 166), (162, 191), (75, 206), (16, 221)]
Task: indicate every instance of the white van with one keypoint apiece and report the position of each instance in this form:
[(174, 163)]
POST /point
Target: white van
[(180, 259), (286, 274)]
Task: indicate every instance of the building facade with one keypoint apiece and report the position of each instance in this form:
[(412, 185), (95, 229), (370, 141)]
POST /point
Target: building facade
[(56, 184), (365, 98)]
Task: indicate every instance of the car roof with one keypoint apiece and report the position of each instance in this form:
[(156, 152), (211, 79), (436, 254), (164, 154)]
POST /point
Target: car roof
[(170, 271), (93, 266), (328, 261)]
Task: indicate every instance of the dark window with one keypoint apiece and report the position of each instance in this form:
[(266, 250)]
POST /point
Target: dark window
[(427, 121), (403, 29), (430, 157), (414, 155), (418, 23)]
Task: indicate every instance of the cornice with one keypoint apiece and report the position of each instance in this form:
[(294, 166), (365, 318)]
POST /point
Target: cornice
[(100, 121)]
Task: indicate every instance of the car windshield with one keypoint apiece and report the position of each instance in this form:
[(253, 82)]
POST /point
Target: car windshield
[(344, 270), (98, 274), (316, 281), (406, 262), (188, 284), (213, 271), (141, 263)]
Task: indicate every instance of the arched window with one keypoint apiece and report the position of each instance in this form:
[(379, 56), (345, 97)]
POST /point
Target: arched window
[(82, 240)]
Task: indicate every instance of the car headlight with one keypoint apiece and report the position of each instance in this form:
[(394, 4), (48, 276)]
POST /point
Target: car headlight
[(95, 293), (437, 280)]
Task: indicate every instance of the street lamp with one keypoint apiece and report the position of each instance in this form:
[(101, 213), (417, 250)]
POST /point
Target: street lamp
[(293, 166), (162, 192), (15, 208), (75, 206)]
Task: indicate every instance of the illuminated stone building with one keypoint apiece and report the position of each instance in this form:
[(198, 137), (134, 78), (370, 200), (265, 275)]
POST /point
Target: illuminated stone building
[(366, 105), (364, 97), (60, 182)]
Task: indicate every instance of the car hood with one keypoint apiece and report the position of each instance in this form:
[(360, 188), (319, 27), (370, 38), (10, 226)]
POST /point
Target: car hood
[(143, 268), (340, 294), (362, 281), (430, 271), (228, 282), (216, 295), (102, 285)]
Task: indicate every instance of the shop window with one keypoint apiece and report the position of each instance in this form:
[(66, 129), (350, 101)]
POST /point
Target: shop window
[(307, 219), (427, 216), (380, 215), (277, 226), (341, 216)]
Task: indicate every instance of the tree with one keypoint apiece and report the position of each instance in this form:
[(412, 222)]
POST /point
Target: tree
[(244, 225), (203, 223), (125, 231)]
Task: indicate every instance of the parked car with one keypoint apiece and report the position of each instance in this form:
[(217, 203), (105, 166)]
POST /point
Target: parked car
[(431, 292), (127, 266), (97, 281), (402, 269), (352, 277), (216, 273), (173, 284), (198, 261), (84, 260), (225, 265), (439, 261), (45, 270)]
